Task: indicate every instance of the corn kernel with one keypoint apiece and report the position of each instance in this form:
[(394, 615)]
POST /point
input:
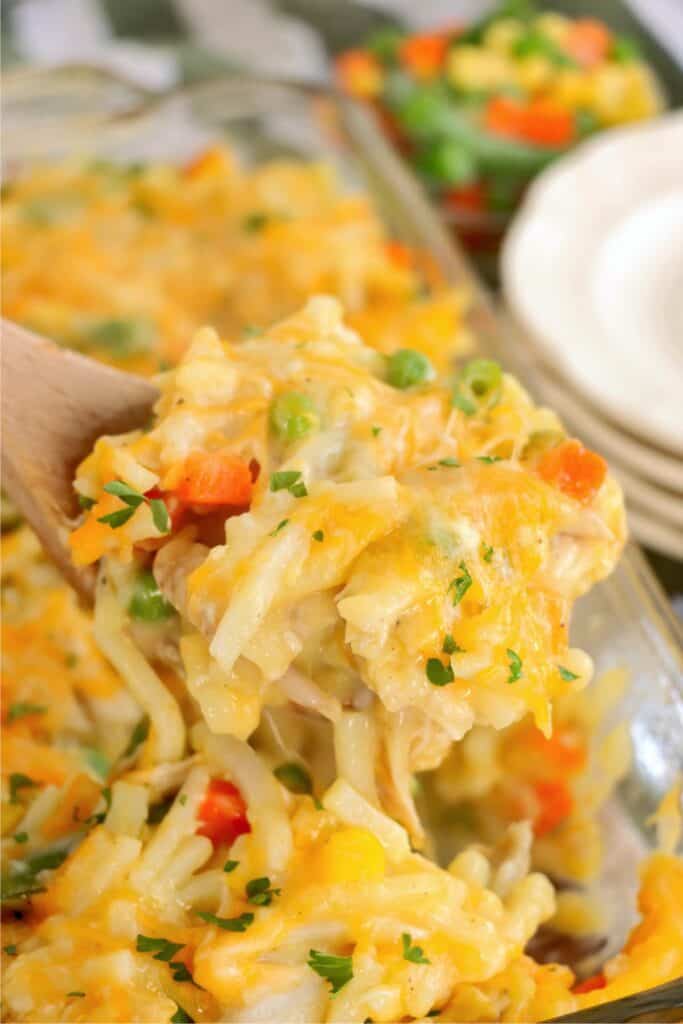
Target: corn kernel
[(555, 26), (470, 67), (351, 855), (534, 74), (502, 35)]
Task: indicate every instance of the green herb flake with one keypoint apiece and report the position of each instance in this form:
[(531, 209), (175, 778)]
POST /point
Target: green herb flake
[(280, 526), (182, 799), (11, 950), (255, 221), (515, 665), (138, 736), (22, 709), (230, 866), (180, 1016), (125, 492), (415, 954), (439, 674), (486, 552), (98, 818), (449, 463), (160, 516), (260, 892), (162, 949), (75, 995), (294, 777), (376, 431), (85, 502), (118, 518), (319, 536), (450, 646), (489, 459), (285, 479), (20, 837), (298, 490), (461, 584), (17, 782), (180, 971), (338, 970), (228, 924), (566, 675), (464, 404)]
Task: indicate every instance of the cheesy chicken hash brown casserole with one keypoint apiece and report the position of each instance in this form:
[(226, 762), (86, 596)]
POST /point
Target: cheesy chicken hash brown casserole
[(344, 553)]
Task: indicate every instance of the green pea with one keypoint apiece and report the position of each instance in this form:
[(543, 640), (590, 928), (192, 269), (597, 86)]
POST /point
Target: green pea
[(624, 49), (406, 368), (384, 44), (293, 415), (147, 603), (479, 384), (423, 111), (447, 162), (121, 338)]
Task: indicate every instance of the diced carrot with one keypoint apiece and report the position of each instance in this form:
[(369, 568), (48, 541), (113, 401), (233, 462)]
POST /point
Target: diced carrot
[(540, 122), (399, 254), (359, 73), (590, 984), (467, 197), (588, 41), (223, 813), (215, 478), (424, 55), (564, 751), (205, 164), (555, 803), (575, 470)]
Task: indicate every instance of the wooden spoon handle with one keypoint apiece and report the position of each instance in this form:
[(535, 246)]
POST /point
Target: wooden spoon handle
[(55, 404)]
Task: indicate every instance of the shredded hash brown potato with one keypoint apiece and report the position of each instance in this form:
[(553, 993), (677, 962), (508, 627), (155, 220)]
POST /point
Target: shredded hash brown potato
[(328, 565)]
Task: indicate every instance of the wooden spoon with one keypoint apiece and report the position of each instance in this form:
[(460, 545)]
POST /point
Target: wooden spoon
[(55, 404)]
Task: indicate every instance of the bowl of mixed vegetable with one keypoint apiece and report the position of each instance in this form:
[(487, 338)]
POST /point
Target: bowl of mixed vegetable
[(479, 110)]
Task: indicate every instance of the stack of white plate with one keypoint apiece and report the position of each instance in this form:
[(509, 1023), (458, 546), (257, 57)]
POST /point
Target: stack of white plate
[(593, 275)]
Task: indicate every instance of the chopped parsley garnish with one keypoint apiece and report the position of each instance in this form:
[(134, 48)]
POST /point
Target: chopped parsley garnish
[(228, 924), (413, 953), (133, 499), (489, 458), (182, 799), (251, 331), (294, 777), (319, 536), (138, 736), (22, 881), (11, 950), (280, 526), (449, 463), (461, 584), (289, 480), (486, 552), (147, 603), (118, 518), (566, 674), (376, 431), (230, 865), (180, 1017), (17, 782), (450, 646), (85, 502), (255, 221), (338, 970), (75, 995), (515, 665), (96, 761), (260, 892), (98, 818), (180, 971), (21, 837), (439, 674), (160, 516), (24, 708), (162, 949)]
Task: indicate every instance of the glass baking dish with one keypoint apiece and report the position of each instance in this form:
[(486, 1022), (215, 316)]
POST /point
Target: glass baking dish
[(625, 621)]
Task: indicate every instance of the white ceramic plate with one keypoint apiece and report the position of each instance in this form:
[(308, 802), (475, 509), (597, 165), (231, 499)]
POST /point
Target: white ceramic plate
[(593, 269)]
